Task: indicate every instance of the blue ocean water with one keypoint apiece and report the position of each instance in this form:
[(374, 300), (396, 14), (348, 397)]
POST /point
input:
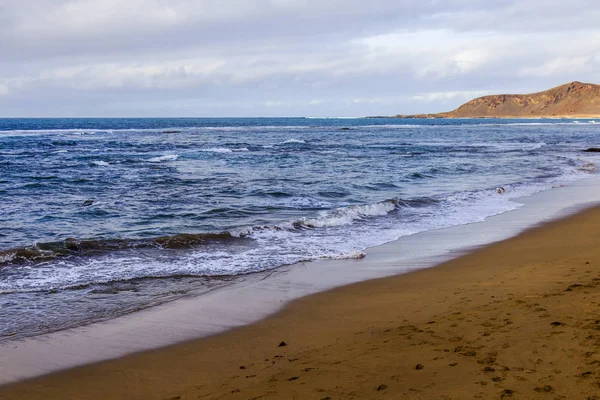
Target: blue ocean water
[(100, 217)]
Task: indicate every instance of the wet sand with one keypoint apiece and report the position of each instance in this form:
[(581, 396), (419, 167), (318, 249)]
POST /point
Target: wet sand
[(517, 319)]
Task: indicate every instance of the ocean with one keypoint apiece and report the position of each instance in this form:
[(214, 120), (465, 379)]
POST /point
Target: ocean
[(104, 217)]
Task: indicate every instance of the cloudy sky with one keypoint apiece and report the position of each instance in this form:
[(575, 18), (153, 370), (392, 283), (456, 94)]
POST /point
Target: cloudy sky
[(285, 57)]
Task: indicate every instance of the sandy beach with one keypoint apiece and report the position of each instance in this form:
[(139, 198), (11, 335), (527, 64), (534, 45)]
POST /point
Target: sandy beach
[(518, 319)]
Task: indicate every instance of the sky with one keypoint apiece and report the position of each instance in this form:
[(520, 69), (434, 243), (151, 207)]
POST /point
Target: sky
[(177, 58)]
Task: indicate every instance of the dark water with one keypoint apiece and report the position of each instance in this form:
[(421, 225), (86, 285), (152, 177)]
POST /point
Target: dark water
[(100, 217)]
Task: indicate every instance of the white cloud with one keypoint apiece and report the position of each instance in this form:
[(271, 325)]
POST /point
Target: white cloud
[(263, 56), (562, 65), (444, 96)]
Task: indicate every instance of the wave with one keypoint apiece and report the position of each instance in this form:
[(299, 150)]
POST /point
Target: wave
[(100, 163), (41, 252), (399, 126), (289, 141), (225, 150), (334, 117), (217, 150), (168, 157), (338, 217), (587, 167), (165, 130), (183, 129), (347, 215), (479, 123)]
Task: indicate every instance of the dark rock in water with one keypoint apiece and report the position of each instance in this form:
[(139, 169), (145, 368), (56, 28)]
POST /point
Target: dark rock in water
[(87, 203), (345, 129), (115, 289), (171, 131), (72, 244), (282, 344), (105, 291), (593, 150)]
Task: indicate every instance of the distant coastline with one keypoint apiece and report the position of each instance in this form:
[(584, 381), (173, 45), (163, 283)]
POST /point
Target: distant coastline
[(575, 100), (439, 116)]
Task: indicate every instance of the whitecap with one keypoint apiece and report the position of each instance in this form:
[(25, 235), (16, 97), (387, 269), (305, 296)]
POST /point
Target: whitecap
[(168, 157), (293, 141), (217, 150), (347, 215), (100, 163)]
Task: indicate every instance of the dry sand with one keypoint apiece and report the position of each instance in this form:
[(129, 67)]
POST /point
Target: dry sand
[(518, 319)]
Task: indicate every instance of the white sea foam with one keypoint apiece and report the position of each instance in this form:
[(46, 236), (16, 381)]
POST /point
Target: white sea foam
[(100, 163), (167, 157), (357, 255), (217, 150), (588, 167), (7, 257), (293, 141), (397, 126), (333, 117), (347, 215), (225, 150)]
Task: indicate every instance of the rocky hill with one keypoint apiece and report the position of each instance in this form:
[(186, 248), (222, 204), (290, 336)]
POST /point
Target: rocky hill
[(573, 100)]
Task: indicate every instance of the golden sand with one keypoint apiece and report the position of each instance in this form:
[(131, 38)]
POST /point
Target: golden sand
[(518, 319)]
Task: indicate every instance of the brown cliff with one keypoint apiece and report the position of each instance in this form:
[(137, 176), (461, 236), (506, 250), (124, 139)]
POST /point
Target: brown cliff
[(573, 100)]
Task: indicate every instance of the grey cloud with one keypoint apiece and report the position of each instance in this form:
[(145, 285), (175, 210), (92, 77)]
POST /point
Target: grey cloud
[(284, 57)]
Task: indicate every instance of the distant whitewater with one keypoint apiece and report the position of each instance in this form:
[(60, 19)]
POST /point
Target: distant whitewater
[(102, 217)]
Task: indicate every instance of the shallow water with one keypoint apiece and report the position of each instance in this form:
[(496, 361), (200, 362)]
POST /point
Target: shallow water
[(102, 217)]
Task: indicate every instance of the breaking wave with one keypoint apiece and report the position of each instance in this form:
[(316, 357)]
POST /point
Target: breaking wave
[(41, 252), (168, 157)]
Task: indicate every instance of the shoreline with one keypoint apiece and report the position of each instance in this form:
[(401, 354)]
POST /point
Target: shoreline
[(258, 296), (437, 116), (522, 325)]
